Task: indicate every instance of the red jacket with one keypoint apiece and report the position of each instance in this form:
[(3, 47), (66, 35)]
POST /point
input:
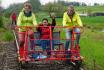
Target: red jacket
[(13, 16), (45, 31)]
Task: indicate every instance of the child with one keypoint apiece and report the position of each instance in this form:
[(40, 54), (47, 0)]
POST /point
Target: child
[(44, 31)]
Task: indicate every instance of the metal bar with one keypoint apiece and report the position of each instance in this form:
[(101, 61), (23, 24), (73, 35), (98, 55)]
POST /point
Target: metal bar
[(74, 50), (26, 45), (51, 39), (16, 44)]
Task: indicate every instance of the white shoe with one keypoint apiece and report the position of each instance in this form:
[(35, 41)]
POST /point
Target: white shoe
[(41, 56)]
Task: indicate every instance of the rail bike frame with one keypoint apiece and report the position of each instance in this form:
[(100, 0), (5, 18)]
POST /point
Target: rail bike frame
[(74, 50)]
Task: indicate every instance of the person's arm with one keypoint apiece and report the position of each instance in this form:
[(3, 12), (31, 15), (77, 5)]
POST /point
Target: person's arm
[(79, 21), (38, 28), (19, 19), (64, 19), (53, 24), (34, 20)]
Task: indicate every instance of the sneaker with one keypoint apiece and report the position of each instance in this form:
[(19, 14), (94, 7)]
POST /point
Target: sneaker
[(41, 56), (21, 59), (28, 59)]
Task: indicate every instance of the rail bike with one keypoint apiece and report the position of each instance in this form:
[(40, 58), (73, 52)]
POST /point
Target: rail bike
[(56, 49)]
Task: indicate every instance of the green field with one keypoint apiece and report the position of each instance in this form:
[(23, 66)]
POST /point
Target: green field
[(92, 48)]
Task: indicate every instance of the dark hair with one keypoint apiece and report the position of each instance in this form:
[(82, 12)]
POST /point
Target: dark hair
[(45, 19)]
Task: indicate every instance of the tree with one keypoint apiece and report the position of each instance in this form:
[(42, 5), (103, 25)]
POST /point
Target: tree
[(56, 8), (13, 7), (35, 5), (0, 7), (18, 7), (96, 4), (1, 20), (84, 4)]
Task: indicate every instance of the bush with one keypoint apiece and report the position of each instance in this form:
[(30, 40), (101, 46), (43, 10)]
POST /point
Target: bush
[(8, 36), (1, 21)]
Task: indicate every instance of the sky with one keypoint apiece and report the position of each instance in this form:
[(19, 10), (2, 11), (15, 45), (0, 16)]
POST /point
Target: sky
[(6, 3)]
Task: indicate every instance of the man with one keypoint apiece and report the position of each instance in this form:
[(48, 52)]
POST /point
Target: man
[(70, 19)]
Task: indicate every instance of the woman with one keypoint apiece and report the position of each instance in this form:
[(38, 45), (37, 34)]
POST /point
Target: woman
[(71, 18), (25, 18)]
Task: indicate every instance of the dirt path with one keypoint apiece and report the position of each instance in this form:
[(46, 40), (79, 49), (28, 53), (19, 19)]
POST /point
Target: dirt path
[(8, 57)]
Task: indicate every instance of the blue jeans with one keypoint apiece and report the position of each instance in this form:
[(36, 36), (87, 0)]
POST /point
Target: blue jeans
[(69, 35), (46, 45)]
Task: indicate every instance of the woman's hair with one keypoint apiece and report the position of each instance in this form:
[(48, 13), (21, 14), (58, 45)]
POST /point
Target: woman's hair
[(71, 6), (45, 19), (27, 3)]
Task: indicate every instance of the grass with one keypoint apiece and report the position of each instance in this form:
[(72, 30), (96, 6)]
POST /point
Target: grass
[(92, 49), (6, 35), (93, 20), (92, 9)]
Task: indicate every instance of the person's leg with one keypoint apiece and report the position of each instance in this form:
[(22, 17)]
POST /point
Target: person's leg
[(31, 36), (68, 41), (12, 27), (68, 37), (21, 37), (53, 43), (48, 44), (44, 45), (15, 22), (77, 31)]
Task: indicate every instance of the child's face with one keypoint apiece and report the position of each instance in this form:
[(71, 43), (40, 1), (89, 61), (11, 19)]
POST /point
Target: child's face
[(27, 9), (45, 23)]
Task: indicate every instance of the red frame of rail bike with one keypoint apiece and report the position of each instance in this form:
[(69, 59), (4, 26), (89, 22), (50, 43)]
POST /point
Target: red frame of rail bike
[(75, 51)]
